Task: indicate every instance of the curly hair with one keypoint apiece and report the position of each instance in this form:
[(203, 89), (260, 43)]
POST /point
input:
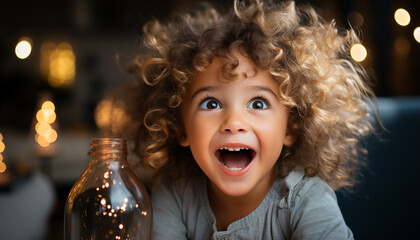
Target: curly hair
[(326, 93)]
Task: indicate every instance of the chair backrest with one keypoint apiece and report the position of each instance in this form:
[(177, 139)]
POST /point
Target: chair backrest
[(385, 203)]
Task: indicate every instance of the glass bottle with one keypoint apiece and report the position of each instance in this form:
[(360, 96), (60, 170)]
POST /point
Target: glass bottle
[(108, 201)]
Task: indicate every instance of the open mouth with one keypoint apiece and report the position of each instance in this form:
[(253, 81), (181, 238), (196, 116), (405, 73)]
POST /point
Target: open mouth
[(235, 159)]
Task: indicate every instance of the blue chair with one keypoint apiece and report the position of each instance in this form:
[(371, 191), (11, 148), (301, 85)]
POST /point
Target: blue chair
[(385, 204)]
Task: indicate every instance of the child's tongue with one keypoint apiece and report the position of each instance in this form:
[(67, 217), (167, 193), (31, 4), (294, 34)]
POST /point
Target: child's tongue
[(234, 160)]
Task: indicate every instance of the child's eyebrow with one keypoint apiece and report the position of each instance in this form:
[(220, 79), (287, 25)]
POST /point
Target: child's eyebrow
[(212, 88), (265, 89), (202, 89)]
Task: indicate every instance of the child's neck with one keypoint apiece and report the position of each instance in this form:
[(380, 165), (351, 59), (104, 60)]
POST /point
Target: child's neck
[(228, 209)]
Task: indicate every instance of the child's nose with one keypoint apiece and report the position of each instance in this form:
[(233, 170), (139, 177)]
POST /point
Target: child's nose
[(234, 122)]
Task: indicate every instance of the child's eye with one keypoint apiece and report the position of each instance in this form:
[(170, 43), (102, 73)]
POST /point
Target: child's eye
[(258, 104), (209, 104)]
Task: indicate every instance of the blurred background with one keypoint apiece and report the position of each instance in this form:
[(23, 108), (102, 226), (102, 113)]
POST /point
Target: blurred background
[(60, 60)]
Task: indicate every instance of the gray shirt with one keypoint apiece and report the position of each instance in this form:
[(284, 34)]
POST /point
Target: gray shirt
[(296, 207)]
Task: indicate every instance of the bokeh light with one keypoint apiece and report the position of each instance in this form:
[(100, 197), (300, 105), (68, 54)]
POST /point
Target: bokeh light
[(355, 19), (45, 134), (402, 17), (23, 49), (358, 52), (402, 46), (111, 116), (2, 147), (416, 34), (48, 106), (46, 50), (58, 63), (2, 167)]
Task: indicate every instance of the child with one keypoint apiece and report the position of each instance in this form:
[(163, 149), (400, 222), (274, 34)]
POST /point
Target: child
[(251, 119)]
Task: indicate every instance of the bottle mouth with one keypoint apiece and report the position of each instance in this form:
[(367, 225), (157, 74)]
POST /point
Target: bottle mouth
[(108, 146), (116, 141)]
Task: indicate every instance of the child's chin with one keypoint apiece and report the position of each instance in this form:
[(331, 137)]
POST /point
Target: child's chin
[(236, 189)]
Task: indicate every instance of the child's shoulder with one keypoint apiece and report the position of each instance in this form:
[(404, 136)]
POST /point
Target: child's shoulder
[(295, 186), (298, 182), (309, 196), (313, 208)]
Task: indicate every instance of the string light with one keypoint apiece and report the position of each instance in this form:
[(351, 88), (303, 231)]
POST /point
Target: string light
[(2, 147), (114, 209), (402, 46), (111, 115), (358, 52), (402, 17), (58, 63), (3, 167), (416, 34), (45, 134), (23, 49), (355, 19)]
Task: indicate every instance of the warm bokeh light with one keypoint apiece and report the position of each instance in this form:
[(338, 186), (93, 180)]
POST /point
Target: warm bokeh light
[(45, 134), (402, 17), (41, 140), (402, 46), (48, 106), (23, 49), (111, 116), (47, 116), (355, 19), (46, 51), (2, 167), (42, 127), (358, 52), (58, 63), (47, 137), (2, 146), (416, 34), (102, 114), (51, 135)]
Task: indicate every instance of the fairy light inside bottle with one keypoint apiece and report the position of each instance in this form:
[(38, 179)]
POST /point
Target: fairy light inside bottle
[(112, 208)]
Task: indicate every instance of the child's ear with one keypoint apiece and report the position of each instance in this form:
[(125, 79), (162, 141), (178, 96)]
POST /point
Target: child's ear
[(289, 139), (183, 140), (291, 135)]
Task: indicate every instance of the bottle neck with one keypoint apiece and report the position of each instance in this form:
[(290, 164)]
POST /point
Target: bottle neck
[(110, 149)]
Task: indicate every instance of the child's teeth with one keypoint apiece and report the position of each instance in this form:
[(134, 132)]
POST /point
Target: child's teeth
[(232, 169), (235, 169), (234, 149)]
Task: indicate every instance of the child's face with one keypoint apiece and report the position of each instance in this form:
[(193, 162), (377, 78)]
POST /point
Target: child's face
[(236, 129)]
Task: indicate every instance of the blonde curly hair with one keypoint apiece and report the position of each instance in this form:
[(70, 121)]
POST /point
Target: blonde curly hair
[(325, 92)]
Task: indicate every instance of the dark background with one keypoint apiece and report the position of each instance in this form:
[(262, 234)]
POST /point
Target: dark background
[(105, 35)]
